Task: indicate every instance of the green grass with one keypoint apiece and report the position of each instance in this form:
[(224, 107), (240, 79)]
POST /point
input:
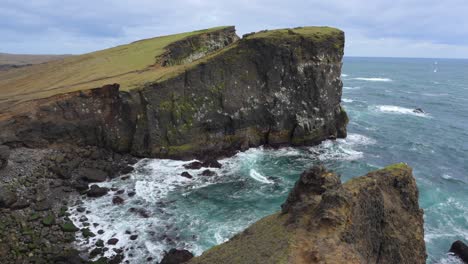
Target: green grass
[(129, 65), (266, 241), (315, 33)]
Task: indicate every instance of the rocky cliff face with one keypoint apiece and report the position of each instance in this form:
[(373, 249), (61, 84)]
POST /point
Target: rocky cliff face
[(278, 87), (370, 219)]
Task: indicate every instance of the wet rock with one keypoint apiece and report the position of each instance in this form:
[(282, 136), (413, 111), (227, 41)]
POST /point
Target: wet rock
[(211, 163), (93, 175), (96, 191), (127, 170), (120, 192), (196, 165), (69, 227), (176, 256), (460, 250), (117, 200), (186, 175), (81, 209), (95, 252), (87, 233), (133, 237), (140, 211), (208, 173), (4, 155), (418, 111), (99, 242), (70, 256), (116, 259), (131, 193), (100, 231), (112, 241)]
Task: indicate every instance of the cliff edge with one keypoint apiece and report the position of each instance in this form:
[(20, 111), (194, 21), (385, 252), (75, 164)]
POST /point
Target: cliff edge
[(370, 219), (209, 94)]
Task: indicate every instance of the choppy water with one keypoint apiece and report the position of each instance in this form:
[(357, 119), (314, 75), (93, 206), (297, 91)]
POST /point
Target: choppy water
[(379, 96)]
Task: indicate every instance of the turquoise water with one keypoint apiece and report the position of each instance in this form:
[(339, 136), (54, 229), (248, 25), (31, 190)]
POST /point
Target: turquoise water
[(379, 96)]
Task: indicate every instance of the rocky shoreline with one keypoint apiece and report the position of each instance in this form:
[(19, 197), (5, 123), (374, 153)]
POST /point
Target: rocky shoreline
[(37, 187)]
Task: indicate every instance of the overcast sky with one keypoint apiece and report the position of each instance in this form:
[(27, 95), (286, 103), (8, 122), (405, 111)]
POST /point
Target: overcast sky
[(396, 28)]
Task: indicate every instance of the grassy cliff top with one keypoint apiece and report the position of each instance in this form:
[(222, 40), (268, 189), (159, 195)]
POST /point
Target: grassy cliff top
[(129, 65), (314, 33), (132, 65)]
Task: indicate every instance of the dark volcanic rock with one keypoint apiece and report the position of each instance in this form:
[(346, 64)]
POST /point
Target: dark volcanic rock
[(4, 155), (93, 175), (460, 250), (117, 200), (193, 165), (176, 256), (96, 191), (127, 170), (112, 241), (212, 163), (208, 173), (186, 175), (273, 88)]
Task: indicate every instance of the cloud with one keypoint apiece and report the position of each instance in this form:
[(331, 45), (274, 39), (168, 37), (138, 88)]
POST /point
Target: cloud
[(404, 27)]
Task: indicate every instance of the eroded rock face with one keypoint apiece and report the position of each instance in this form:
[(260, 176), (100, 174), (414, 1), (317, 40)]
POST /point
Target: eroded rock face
[(370, 219), (4, 155), (279, 89)]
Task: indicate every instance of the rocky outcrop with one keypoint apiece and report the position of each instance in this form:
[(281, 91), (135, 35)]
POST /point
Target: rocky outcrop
[(195, 47), (278, 88), (370, 219), (460, 250)]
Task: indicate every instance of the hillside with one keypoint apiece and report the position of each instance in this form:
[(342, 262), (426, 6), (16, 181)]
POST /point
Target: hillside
[(129, 65), (27, 59), (132, 65)]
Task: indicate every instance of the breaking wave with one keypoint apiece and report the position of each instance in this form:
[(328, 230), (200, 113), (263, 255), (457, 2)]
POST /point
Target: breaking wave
[(392, 109), (373, 79)]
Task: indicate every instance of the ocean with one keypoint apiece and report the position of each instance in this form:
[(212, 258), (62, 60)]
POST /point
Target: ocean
[(380, 96)]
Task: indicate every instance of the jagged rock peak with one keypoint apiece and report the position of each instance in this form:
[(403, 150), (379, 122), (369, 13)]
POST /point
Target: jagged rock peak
[(370, 219)]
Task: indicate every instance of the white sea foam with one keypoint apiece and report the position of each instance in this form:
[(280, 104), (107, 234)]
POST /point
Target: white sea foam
[(258, 177), (351, 88), (346, 100), (393, 109), (450, 259), (342, 149), (344, 75), (373, 79)]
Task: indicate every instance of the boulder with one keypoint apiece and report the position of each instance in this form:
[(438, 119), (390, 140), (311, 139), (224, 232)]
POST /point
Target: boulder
[(196, 165), (176, 256), (186, 175), (211, 163), (460, 250), (208, 173), (4, 155), (7, 197), (117, 200), (112, 241), (96, 191), (92, 175)]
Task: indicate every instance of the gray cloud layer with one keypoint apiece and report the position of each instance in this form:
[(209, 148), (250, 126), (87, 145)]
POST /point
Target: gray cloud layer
[(409, 28)]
